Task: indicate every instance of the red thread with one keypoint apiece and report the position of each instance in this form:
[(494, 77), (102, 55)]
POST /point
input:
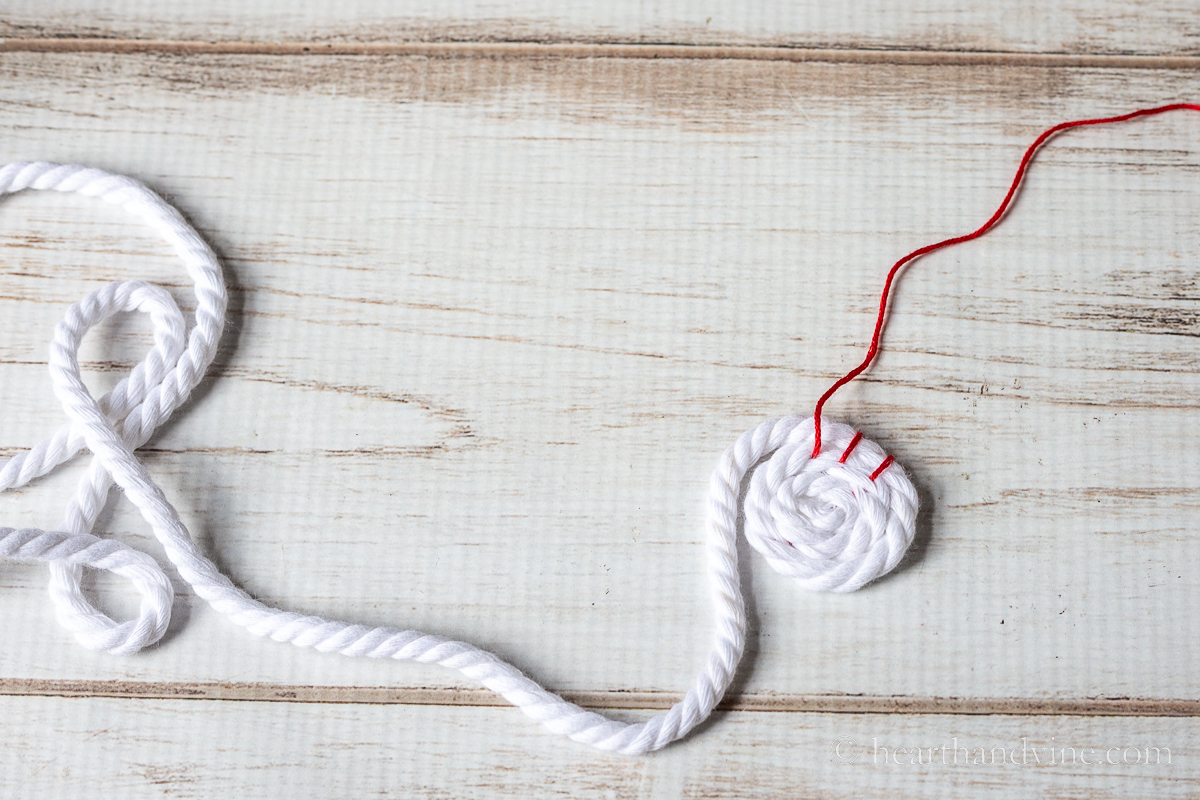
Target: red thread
[(887, 462), (853, 444), (1012, 191)]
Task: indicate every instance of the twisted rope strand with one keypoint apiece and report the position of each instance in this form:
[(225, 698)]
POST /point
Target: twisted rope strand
[(827, 522)]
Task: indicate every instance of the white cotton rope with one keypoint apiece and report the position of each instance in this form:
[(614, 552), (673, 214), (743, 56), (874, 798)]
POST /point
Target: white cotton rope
[(833, 522)]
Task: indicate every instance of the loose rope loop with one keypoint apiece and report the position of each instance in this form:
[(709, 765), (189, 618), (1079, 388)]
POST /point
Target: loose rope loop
[(856, 533)]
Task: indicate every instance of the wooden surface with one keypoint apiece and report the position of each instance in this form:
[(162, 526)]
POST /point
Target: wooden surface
[(1081, 27), (496, 312)]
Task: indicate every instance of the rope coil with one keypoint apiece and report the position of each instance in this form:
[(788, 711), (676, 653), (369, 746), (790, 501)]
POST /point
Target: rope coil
[(833, 523)]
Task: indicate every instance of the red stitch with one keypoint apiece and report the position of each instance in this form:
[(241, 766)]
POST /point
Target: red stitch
[(853, 444), (1012, 191), (887, 462)]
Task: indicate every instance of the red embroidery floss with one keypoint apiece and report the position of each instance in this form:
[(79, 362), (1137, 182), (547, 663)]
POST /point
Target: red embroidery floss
[(893, 273)]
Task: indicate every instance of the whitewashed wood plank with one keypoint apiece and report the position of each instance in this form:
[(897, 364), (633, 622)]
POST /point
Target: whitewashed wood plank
[(494, 323), (1065, 26), (66, 748)]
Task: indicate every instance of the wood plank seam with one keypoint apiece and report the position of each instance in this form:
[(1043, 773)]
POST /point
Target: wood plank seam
[(634, 700), (536, 50)]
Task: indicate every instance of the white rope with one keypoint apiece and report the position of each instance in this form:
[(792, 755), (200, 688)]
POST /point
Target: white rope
[(828, 521)]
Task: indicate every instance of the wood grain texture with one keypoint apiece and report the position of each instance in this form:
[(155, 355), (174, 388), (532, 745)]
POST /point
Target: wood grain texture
[(622, 699), (492, 327), (1114, 27), (494, 321), (141, 748), (503, 51)]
